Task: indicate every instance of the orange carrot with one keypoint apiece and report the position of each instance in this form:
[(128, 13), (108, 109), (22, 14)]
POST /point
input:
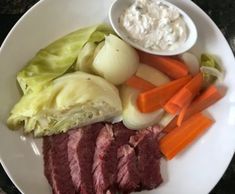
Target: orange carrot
[(154, 99), (211, 91), (182, 115), (139, 83), (185, 95), (178, 139), (172, 67), (210, 96)]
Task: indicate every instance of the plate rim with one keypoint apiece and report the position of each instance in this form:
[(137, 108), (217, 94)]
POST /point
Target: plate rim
[(186, 1)]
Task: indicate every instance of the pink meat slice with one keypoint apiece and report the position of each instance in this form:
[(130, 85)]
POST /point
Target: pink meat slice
[(145, 143), (105, 158), (128, 178), (81, 148), (56, 164)]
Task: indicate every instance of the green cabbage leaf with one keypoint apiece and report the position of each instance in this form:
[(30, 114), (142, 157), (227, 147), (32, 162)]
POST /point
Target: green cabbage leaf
[(58, 57)]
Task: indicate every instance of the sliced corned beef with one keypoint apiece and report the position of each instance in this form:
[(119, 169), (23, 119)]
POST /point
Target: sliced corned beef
[(81, 148), (102, 159), (128, 178), (121, 134), (56, 164), (105, 159), (104, 163), (146, 146)]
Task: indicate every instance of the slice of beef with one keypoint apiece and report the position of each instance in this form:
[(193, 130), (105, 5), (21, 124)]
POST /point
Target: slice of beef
[(128, 177), (56, 164), (81, 148), (122, 134), (105, 159), (104, 163), (148, 157)]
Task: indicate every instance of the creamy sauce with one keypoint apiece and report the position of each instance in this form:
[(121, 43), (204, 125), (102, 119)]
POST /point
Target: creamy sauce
[(154, 25)]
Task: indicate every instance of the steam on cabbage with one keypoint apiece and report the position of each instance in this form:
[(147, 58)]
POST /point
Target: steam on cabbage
[(116, 61), (75, 99), (54, 60), (132, 117)]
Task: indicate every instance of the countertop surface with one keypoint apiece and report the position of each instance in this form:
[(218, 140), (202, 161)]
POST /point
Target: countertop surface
[(223, 14)]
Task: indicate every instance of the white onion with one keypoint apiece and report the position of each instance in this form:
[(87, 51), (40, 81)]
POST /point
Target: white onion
[(85, 57), (116, 61), (166, 119), (132, 117)]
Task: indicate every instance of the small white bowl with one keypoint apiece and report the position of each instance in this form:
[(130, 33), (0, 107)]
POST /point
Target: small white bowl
[(119, 6)]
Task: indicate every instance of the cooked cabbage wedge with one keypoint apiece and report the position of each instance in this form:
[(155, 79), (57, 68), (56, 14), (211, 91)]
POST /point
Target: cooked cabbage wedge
[(75, 99), (54, 60)]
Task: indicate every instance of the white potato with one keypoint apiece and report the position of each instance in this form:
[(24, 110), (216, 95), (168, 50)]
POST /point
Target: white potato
[(132, 117), (152, 75), (116, 61)]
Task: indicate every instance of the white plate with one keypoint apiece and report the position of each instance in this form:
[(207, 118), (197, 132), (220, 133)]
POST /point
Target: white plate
[(195, 171)]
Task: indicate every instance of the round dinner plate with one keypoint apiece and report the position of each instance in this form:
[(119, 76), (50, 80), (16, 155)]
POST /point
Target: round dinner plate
[(195, 171)]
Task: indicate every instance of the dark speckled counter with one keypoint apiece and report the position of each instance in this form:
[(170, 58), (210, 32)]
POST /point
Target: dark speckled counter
[(221, 11)]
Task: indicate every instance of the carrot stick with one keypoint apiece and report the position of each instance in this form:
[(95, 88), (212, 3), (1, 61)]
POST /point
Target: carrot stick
[(210, 96), (182, 115), (172, 67), (185, 95), (139, 83), (178, 139), (211, 91), (154, 99)]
